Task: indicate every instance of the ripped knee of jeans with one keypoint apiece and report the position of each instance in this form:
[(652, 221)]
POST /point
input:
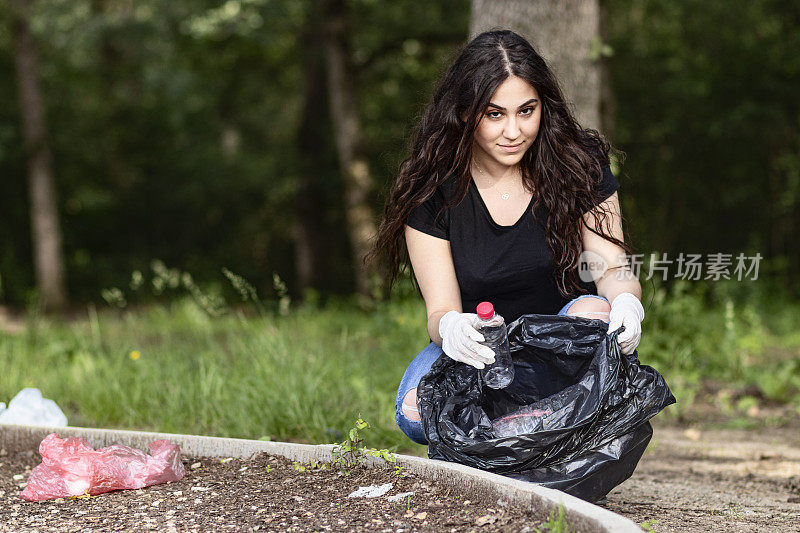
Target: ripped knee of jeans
[(410, 405), (594, 308)]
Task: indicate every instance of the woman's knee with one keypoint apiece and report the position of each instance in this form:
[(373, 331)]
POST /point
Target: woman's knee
[(409, 407), (594, 308)]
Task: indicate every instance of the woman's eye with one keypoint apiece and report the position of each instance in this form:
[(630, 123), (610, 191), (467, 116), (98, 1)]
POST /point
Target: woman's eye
[(527, 111), (494, 114)]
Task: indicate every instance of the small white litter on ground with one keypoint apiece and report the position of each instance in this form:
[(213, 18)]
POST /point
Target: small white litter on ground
[(400, 497), (29, 408), (373, 491)]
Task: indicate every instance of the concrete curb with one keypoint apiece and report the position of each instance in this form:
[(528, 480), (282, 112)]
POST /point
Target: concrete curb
[(582, 516)]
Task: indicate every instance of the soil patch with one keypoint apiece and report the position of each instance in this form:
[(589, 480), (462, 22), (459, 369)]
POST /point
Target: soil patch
[(715, 480), (262, 494)]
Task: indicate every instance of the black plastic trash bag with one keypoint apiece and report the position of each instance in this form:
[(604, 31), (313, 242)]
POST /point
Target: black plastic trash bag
[(594, 404)]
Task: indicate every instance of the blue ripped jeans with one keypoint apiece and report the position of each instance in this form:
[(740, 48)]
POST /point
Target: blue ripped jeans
[(420, 366)]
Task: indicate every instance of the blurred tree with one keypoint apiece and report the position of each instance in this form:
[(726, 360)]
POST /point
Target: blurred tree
[(200, 133), (348, 136), (48, 259), (709, 114), (311, 138)]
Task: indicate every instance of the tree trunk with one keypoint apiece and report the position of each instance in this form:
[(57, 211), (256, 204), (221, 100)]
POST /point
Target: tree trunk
[(347, 133), (564, 33), (608, 102), (48, 260), (309, 137)]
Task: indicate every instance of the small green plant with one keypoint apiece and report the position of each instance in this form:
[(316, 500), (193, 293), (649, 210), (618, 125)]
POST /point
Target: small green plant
[(404, 506), (313, 465), (284, 300), (351, 452), (212, 304), (245, 289), (268, 469), (137, 280), (114, 297), (555, 524), (735, 511), (648, 525)]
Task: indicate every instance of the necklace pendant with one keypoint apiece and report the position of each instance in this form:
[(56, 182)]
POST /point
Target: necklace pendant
[(505, 196)]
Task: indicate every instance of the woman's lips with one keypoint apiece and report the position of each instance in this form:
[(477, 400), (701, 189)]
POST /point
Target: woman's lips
[(511, 148)]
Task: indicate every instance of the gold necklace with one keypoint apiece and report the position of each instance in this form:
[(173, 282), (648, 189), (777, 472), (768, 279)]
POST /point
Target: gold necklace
[(503, 196)]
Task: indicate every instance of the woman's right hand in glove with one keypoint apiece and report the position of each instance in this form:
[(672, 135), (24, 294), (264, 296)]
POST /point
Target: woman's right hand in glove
[(460, 339)]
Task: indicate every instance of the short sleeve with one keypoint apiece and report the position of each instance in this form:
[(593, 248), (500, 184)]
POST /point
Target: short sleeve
[(427, 219), (608, 183)]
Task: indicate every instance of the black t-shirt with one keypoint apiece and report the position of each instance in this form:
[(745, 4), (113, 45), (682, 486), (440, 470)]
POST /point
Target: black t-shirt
[(510, 266)]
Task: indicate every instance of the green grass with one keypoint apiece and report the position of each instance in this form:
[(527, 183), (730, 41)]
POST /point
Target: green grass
[(557, 523), (741, 342), (302, 377), (305, 375)]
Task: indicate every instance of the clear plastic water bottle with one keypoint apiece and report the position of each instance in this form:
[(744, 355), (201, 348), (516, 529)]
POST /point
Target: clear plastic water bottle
[(499, 374), (528, 419)]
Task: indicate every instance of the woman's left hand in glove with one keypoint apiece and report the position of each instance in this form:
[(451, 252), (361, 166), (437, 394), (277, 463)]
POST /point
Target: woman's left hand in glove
[(626, 310)]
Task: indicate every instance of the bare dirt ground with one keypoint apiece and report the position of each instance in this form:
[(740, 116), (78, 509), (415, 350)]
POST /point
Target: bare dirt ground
[(715, 480), (692, 480), (263, 494)]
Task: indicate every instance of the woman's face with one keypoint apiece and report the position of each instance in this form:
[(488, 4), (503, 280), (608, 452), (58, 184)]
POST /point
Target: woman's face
[(509, 124)]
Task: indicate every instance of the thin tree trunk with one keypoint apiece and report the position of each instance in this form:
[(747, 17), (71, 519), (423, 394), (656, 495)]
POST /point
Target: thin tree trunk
[(563, 32), (347, 131), (309, 137), (608, 102), (48, 260)]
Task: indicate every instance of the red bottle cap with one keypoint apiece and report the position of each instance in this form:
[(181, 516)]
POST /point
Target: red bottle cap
[(485, 310)]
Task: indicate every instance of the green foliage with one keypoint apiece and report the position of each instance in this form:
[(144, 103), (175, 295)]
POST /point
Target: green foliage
[(351, 452), (304, 375), (310, 466), (649, 525), (175, 127), (175, 123), (245, 289), (174, 367), (701, 336), (557, 523), (173, 282), (708, 113)]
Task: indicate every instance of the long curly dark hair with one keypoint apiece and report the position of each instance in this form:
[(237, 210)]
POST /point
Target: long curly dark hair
[(563, 166)]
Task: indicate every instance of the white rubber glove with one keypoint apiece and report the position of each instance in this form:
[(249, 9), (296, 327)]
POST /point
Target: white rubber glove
[(626, 310), (460, 339)]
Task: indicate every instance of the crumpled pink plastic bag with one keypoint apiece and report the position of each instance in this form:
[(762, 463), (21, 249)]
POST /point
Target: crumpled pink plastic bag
[(70, 467)]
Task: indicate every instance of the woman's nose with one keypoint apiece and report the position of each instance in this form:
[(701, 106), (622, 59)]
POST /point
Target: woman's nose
[(511, 131)]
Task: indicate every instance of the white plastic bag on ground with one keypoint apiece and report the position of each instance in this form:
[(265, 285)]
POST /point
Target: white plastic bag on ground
[(29, 408)]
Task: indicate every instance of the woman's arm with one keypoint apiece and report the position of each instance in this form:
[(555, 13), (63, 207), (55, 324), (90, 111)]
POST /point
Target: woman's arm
[(436, 276), (616, 276)]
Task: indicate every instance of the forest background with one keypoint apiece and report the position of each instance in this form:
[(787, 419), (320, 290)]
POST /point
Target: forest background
[(200, 133), (203, 150)]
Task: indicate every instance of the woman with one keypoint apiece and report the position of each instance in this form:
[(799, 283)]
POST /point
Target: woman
[(502, 194)]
